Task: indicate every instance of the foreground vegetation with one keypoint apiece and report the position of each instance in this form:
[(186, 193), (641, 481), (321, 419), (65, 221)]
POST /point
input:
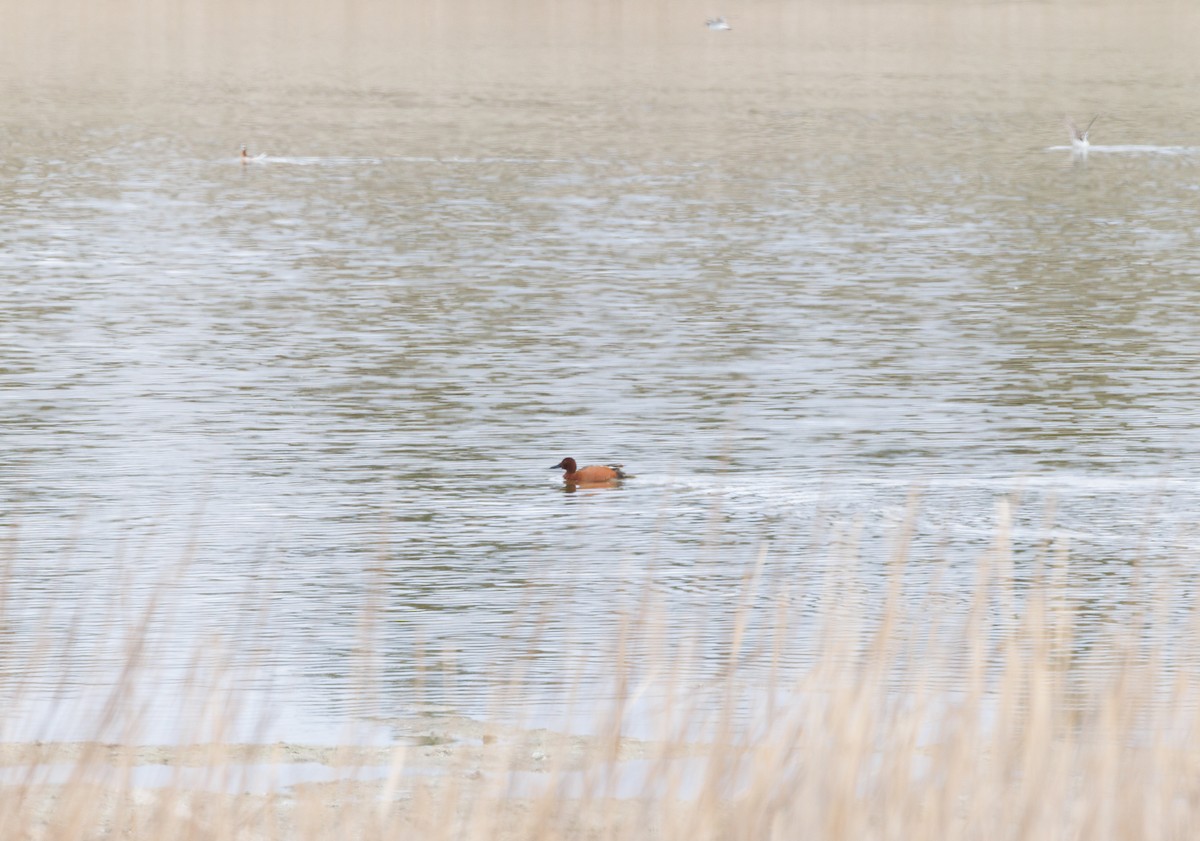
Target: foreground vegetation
[(986, 720)]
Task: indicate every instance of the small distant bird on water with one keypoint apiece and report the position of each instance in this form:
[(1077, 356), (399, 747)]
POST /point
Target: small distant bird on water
[(718, 24), (593, 474), (247, 157), (1079, 139)]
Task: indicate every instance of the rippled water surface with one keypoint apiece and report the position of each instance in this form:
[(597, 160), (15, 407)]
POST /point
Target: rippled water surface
[(792, 276)]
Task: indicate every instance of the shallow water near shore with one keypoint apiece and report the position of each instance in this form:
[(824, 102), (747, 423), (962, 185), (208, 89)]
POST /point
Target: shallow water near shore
[(807, 280)]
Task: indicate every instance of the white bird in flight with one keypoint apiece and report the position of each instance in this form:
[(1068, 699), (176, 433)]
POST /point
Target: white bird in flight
[(1079, 139)]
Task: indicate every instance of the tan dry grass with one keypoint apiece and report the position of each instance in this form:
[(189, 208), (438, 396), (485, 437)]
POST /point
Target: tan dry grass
[(915, 723)]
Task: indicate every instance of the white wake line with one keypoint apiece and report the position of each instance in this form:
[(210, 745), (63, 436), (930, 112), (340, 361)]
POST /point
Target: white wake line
[(449, 160), (1129, 149), (312, 161)]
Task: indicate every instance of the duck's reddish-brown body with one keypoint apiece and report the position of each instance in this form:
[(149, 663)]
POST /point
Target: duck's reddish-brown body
[(593, 474)]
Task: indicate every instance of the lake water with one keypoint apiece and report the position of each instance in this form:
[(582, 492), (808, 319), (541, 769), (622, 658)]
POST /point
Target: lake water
[(788, 275)]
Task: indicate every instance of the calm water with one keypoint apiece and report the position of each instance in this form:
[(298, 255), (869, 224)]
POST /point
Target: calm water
[(786, 274)]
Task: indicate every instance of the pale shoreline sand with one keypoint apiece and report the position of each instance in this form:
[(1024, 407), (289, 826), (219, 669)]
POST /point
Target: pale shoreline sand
[(440, 743), (445, 769)]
